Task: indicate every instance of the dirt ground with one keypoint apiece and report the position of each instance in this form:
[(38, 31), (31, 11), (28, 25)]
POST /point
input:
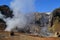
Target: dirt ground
[(21, 36)]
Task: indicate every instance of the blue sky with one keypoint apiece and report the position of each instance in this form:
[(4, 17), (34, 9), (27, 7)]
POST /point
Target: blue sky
[(41, 5), (47, 5)]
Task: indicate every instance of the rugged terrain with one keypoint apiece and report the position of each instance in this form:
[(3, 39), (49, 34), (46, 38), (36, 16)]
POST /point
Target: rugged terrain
[(35, 27), (21, 36)]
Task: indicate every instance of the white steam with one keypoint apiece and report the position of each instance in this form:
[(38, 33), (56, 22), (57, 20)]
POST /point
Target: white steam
[(23, 6), (18, 22), (20, 8)]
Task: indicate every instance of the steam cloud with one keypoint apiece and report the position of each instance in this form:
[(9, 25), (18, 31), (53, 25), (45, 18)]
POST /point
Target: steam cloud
[(23, 6), (20, 8)]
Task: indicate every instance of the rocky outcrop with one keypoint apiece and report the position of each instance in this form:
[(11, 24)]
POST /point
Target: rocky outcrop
[(55, 15), (2, 24), (6, 12)]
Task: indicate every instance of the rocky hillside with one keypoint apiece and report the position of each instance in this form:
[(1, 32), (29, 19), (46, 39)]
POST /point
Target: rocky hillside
[(41, 25)]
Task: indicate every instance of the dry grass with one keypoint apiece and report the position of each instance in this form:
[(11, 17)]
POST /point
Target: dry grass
[(20, 36)]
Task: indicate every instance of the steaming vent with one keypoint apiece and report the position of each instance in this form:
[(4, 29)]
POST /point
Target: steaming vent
[(32, 23), (20, 17)]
